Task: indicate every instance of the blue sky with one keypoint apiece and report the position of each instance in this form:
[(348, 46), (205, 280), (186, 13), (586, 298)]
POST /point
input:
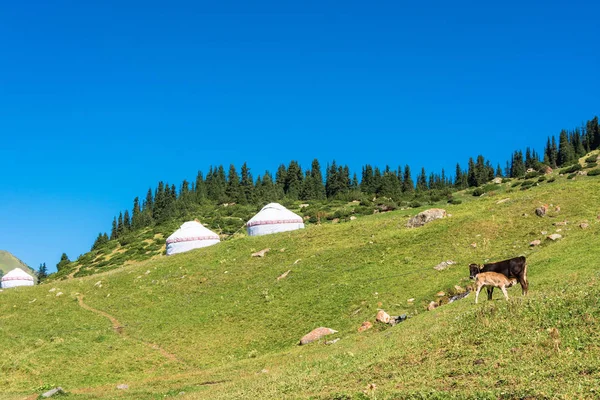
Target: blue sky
[(99, 101)]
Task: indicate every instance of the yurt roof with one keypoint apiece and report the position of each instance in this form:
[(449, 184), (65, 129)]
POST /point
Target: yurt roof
[(274, 213), (192, 230), (17, 274)]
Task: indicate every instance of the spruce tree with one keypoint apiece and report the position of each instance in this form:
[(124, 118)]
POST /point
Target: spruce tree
[(247, 184), (408, 186), (566, 154), (472, 174), (293, 181), (317, 181), (422, 181), (200, 188), (366, 183), (113, 232), (42, 273), (593, 132), (234, 190), (498, 171), (120, 226), (553, 153), (126, 221), (64, 261), (136, 217)]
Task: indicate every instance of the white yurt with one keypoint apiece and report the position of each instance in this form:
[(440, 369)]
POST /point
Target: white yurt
[(273, 218), (191, 235), (17, 277)]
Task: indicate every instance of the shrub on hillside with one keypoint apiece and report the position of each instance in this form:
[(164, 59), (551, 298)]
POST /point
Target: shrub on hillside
[(414, 204), (572, 168), (506, 180), (551, 179), (455, 201), (531, 174), (592, 159), (478, 192), (527, 183), (541, 179), (591, 165), (594, 172), (515, 184), (571, 176)]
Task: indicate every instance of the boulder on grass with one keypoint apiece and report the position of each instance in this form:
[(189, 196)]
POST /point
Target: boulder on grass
[(425, 217), (365, 326), (261, 253), (382, 316), (316, 334)]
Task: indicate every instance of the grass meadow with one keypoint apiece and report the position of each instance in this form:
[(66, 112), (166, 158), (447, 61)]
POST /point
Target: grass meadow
[(216, 323)]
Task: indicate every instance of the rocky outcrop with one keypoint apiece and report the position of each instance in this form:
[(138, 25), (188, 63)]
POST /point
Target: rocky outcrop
[(425, 217)]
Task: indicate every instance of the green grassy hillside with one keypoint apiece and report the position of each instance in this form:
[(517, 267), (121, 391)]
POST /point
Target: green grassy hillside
[(9, 262), (216, 323)]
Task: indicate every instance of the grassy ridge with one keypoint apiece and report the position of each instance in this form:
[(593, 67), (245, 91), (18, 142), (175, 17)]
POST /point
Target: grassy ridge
[(226, 318)]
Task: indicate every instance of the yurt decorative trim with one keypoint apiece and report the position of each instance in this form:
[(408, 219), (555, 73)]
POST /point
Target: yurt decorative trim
[(190, 235), (278, 221), (191, 239)]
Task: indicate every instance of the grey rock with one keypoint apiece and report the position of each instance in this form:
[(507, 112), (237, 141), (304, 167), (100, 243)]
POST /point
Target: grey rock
[(52, 392)]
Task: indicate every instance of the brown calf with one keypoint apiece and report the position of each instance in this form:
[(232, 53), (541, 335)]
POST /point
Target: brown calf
[(493, 279)]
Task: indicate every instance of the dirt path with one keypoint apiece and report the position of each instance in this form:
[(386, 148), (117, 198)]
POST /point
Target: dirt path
[(72, 274), (120, 329)]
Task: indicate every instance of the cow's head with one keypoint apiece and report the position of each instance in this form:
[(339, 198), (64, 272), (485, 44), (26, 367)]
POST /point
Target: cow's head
[(474, 269), (512, 282)]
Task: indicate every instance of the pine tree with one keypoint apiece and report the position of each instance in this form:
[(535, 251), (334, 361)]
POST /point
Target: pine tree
[(566, 154), (376, 181), (136, 217), (593, 133), (408, 186), (422, 181), (234, 190), (318, 190), (64, 261), (472, 174), (293, 181), (498, 171), (553, 153), (366, 183), (200, 188), (100, 240), (247, 185), (42, 273), (113, 232), (126, 221), (120, 226), (517, 168), (354, 185), (460, 180)]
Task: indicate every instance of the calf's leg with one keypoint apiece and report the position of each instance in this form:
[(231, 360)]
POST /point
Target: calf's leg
[(490, 290), (477, 293), (504, 291)]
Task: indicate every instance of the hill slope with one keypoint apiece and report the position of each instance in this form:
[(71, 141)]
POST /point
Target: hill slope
[(216, 323), (9, 262)]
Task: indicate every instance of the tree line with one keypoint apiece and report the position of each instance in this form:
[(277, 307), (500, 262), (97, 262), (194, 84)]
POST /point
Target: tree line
[(292, 182)]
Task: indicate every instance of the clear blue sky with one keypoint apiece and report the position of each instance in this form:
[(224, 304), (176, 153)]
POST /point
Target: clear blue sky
[(100, 100)]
